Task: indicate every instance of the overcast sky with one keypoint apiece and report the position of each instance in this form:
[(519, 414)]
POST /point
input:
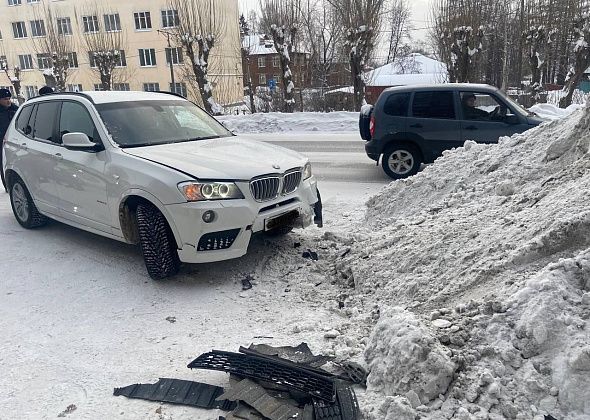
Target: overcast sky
[(419, 14)]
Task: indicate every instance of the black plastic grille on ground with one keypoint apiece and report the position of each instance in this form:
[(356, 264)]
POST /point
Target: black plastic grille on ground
[(217, 240), (177, 391), (345, 407), (266, 369)]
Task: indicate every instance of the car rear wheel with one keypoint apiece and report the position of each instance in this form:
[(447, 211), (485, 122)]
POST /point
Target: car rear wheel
[(23, 207), (157, 242), (401, 161)]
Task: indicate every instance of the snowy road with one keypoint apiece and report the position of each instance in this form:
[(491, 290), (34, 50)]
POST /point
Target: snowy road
[(79, 316), (334, 156)]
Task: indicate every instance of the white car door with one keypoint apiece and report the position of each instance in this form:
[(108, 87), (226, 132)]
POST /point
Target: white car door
[(38, 150), (82, 186)]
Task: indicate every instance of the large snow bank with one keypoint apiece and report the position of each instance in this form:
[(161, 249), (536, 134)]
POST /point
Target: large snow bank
[(474, 277), (273, 122), (553, 112)]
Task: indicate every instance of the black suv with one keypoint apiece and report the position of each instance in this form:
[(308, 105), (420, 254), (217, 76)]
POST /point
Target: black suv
[(412, 125)]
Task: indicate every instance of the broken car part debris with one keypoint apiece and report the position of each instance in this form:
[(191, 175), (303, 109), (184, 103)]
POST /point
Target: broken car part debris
[(274, 383), (311, 255)]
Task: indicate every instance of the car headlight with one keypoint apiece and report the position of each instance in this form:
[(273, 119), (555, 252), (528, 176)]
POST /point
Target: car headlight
[(202, 191), (307, 171)]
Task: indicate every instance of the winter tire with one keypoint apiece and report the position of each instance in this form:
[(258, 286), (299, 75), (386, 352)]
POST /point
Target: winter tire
[(23, 207), (157, 242), (401, 161)]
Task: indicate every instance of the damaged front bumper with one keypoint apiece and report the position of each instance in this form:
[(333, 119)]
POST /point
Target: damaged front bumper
[(228, 235)]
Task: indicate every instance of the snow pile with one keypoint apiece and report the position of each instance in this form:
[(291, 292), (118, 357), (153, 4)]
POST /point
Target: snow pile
[(299, 121), (552, 112), (474, 276)]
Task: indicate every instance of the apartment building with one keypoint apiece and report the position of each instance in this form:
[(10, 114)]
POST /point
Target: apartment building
[(144, 60)]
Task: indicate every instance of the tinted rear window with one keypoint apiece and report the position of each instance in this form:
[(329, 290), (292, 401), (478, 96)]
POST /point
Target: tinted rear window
[(436, 104), (45, 120), (397, 104), (22, 123)]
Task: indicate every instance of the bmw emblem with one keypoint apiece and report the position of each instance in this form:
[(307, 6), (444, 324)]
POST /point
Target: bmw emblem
[(276, 166)]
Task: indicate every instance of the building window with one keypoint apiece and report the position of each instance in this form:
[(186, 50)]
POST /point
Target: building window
[(121, 87), (31, 91), (174, 54), (74, 88), (143, 21), (73, 60), (37, 28), (19, 29), (179, 88), (147, 57), (14, 2), (43, 61), (91, 60), (275, 61), (90, 24), (169, 18), (151, 87), (33, 1), (25, 61), (64, 26), (122, 60), (262, 79), (261, 62), (3, 62), (112, 23), (98, 87)]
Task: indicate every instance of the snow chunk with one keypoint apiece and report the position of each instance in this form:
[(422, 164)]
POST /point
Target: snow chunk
[(404, 356)]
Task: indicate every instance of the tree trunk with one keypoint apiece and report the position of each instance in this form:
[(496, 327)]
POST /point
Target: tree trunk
[(285, 49)]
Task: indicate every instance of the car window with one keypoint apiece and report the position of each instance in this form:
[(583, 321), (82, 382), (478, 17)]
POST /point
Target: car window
[(45, 121), (397, 104), (434, 104), (483, 107), (22, 123), (75, 118), (145, 123)]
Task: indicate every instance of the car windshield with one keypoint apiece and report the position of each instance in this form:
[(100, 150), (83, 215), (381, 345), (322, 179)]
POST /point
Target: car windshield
[(516, 106), (147, 123)]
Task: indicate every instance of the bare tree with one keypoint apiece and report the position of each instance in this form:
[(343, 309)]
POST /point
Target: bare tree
[(104, 47), (14, 79), (398, 22), (362, 21), (323, 37), (247, 44), (198, 29), (582, 59), (537, 39), (282, 19), (53, 46)]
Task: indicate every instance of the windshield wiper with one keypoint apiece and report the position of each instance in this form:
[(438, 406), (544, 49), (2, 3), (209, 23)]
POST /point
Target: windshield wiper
[(201, 138)]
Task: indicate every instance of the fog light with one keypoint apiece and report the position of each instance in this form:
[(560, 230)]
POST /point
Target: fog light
[(208, 216)]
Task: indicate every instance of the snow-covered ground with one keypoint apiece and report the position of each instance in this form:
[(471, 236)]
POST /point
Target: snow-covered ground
[(465, 290)]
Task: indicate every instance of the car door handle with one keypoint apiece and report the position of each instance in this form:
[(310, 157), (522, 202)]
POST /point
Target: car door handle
[(416, 126), (471, 127), (58, 156), (23, 146)]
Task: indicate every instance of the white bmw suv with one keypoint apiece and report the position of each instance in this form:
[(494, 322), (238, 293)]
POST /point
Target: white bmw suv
[(154, 169)]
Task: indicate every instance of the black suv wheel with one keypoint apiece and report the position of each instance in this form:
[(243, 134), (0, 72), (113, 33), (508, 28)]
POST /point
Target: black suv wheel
[(401, 161)]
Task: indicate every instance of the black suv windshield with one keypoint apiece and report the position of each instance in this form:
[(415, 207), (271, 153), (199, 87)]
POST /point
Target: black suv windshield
[(146, 123)]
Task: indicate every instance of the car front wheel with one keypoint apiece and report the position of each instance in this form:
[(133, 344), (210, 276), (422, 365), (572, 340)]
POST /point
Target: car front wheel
[(401, 161), (157, 242), (23, 207)]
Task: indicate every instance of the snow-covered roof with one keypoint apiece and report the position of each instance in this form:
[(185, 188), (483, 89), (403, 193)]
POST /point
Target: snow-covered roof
[(416, 69), (346, 89), (258, 45)]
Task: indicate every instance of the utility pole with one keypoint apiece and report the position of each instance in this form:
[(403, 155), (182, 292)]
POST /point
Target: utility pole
[(170, 59)]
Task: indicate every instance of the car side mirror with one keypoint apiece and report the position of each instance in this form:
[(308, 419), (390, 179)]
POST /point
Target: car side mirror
[(79, 141)]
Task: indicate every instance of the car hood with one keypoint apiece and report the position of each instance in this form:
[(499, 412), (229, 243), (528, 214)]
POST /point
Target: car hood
[(227, 158), (535, 119)]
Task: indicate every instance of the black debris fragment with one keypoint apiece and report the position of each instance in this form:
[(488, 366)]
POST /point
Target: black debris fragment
[(344, 408), (171, 319), (299, 354), (243, 412), (355, 372), (270, 369), (177, 391), (345, 253), (296, 244), (69, 410), (247, 282), (256, 397), (311, 255)]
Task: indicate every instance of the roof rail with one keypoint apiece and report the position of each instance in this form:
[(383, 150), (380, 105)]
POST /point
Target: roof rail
[(167, 92), (84, 95)]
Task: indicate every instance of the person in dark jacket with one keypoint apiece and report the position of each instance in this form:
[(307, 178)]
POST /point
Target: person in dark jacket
[(7, 111)]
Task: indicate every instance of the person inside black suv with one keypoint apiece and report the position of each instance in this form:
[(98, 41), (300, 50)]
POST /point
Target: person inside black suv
[(470, 112)]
